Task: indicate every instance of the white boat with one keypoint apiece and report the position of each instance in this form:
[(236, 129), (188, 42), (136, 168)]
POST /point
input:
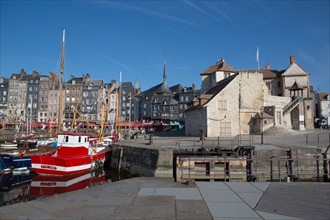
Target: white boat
[(8, 146), (21, 170), (46, 142)]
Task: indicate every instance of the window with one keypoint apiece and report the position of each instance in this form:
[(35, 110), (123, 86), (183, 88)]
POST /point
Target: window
[(225, 128), (144, 105), (268, 85), (222, 105), (187, 98)]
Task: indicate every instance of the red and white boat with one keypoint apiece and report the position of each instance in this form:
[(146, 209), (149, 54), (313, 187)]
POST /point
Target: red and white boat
[(76, 153)]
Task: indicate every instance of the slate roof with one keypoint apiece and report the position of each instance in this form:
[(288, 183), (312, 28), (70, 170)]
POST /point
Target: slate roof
[(220, 65), (160, 88), (176, 88), (296, 87), (79, 80), (323, 96)]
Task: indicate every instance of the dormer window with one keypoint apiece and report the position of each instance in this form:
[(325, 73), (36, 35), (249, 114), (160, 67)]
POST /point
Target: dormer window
[(73, 81)]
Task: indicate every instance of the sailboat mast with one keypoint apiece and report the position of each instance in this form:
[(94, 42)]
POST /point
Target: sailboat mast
[(61, 85)]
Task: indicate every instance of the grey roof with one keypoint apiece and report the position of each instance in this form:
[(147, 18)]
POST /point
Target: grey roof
[(160, 88)]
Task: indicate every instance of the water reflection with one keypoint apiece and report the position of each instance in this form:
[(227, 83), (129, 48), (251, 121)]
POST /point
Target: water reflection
[(21, 188)]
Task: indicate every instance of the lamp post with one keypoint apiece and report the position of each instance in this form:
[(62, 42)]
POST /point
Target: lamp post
[(262, 124)]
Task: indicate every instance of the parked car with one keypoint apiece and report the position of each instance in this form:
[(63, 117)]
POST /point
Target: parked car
[(322, 123)]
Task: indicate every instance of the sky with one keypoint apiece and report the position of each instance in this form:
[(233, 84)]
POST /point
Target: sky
[(104, 38)]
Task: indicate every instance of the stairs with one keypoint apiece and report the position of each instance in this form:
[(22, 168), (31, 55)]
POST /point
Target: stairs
[(291, 105)]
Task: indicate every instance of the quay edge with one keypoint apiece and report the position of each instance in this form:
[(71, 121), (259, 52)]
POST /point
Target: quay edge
[(160, 160)]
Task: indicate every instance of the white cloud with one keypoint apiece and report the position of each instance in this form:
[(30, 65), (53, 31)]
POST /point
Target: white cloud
[(118, 63)]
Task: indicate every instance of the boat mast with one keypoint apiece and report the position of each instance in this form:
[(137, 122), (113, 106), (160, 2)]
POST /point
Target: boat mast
[(61, 85), (118, 103)]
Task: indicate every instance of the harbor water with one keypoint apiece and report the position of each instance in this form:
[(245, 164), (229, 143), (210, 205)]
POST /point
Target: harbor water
[(27, 187)]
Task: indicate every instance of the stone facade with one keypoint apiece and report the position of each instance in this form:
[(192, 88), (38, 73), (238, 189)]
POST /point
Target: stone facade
[(229, 110)]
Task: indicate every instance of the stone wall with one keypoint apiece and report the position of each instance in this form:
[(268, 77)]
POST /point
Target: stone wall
[(143, 161), (195, 121)]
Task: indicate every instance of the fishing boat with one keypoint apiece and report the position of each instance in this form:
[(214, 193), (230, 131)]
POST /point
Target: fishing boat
[(75, 153)]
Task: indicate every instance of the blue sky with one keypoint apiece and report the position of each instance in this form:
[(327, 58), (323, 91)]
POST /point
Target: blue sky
[(134, 37)]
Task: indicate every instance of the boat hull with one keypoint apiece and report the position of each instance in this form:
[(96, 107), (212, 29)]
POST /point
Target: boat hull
[(56, 165), (16, 161)]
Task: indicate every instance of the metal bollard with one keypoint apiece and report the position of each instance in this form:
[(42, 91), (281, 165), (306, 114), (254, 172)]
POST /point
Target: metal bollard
[(151, 139)]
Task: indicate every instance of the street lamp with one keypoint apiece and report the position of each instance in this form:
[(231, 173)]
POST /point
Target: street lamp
[(262, 124)]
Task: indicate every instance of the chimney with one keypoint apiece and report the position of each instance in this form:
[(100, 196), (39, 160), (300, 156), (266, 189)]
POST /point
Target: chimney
[(22, 73), (292, 59), (35, 73), (267, 66)]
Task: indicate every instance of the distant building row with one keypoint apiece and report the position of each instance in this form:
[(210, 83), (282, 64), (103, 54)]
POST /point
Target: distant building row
[(230, 101)]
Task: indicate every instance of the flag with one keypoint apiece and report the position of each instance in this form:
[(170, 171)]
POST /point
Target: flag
[(257, 54)]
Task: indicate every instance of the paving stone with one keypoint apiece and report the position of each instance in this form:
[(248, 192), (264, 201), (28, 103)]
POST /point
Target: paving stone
[(154, 200), (146, 191), (180, 193), (261, 185), (141, 211), (272, 216), (231, 210), (198, 215), (190, 205), (211, 185), (120, 200), (242, 187), (251, 199), (24, 211), (212, 195), (92, 212)]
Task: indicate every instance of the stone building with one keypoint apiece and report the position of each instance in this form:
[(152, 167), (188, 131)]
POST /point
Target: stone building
[(225, 110), (285, 93), (163, 106), (322, 100), (107, 94), (89, 101), (4, 83)]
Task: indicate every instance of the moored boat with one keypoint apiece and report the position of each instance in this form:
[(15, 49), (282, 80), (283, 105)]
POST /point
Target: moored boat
[(75, 153), (8, 146)]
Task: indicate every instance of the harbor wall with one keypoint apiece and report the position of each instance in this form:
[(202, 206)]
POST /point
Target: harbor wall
[(267, 165), (143, 161)]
